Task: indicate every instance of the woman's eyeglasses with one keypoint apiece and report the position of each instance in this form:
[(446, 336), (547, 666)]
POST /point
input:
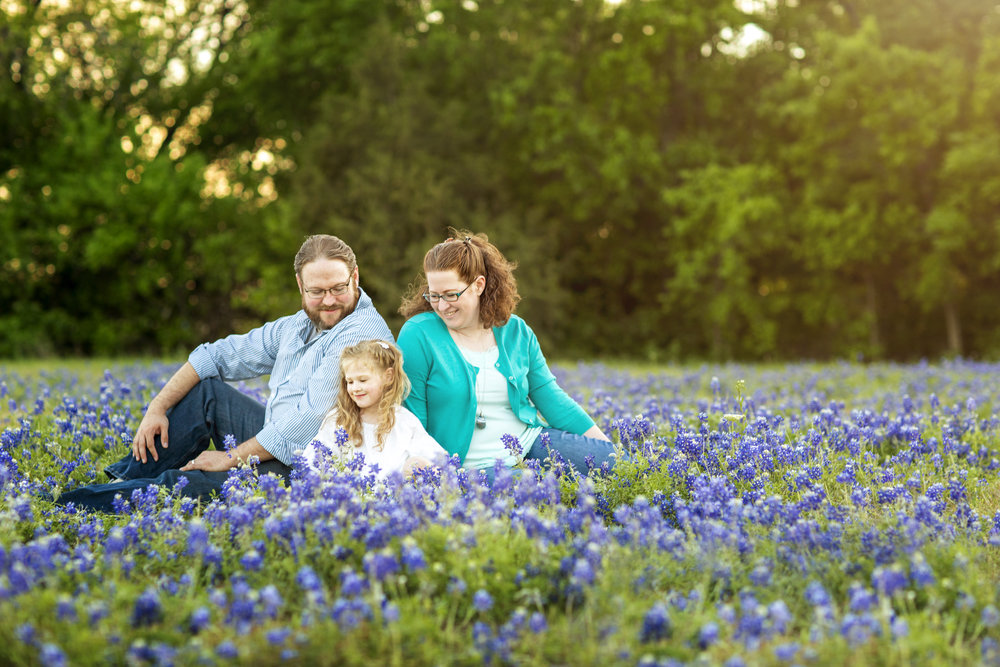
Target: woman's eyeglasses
[(433, 297)]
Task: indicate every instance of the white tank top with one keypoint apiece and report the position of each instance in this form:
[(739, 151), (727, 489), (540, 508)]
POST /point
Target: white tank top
[(493, 405)]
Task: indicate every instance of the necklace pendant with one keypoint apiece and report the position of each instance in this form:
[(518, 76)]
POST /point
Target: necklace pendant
[(480, 421)]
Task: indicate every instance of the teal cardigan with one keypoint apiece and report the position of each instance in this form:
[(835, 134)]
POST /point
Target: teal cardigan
[(443, 393)]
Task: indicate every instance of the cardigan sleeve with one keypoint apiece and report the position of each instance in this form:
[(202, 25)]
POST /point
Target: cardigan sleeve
[(556, 406)]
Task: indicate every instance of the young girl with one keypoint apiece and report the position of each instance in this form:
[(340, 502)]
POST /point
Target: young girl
[(369, 408)]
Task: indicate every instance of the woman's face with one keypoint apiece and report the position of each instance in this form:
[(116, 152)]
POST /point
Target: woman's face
[(463, 313)]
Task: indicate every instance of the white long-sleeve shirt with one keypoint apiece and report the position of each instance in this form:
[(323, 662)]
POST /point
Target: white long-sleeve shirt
[(407, 438)]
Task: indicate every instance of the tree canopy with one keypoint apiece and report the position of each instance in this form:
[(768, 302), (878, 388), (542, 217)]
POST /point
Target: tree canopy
[(762, 179)]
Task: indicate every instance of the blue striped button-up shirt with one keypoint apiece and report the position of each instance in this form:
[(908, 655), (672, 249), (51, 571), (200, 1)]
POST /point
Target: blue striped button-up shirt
[(305, 373)]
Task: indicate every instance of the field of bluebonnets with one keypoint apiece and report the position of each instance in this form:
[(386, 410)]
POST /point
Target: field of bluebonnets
[(803, 514)]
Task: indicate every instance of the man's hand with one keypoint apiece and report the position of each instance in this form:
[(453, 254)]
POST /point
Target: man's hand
[(211, 461), (153, 423)]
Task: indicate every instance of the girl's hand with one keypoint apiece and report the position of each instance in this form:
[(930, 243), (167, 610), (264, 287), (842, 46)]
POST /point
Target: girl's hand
[(414, 463)]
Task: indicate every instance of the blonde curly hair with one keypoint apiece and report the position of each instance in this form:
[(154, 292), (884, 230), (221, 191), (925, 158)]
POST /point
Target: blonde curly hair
[(379, 356)]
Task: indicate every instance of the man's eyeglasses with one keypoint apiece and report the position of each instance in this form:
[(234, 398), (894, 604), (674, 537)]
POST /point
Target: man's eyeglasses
[(450, 297), (319, 293)]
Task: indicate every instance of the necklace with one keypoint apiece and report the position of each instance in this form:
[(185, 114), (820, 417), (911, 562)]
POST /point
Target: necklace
[(480, 397), (479, 344), (480, 392)]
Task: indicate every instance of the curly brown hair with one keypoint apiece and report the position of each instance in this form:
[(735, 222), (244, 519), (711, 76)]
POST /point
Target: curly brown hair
[(380, 356), (470, 256)]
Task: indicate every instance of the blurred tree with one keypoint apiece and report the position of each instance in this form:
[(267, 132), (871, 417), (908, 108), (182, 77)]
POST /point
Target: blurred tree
[(612, 105), (390, 166), (871, 102), (960, 253), (112, 238), (732, 272), (761, 179), (552, 126)]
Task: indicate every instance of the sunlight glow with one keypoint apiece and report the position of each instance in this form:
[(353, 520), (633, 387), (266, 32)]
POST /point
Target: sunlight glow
[(739, 43), (12, 9), (757, 6)]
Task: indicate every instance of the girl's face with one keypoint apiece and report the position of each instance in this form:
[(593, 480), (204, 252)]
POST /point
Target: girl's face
[(462, 314), (365, 384)]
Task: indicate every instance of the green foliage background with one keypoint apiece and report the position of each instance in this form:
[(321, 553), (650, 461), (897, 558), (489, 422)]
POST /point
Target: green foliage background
[(759, 180)]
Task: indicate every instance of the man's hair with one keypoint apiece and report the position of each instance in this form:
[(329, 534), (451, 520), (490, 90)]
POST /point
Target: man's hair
[(324, 246), (470, 256)]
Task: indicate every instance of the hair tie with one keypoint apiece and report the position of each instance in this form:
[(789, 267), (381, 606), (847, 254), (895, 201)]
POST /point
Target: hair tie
[(385, 346)]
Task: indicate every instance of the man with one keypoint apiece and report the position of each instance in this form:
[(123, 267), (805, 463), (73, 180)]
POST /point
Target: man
[(300, 352)]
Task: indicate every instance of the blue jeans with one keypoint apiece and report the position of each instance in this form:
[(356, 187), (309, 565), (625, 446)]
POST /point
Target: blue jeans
[(573, 448), (208, 413)]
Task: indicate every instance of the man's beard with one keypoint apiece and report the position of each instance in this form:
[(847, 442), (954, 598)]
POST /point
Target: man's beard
[(314, 313)]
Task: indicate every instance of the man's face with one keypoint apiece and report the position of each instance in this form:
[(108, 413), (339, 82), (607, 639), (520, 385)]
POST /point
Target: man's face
[(326, 308)]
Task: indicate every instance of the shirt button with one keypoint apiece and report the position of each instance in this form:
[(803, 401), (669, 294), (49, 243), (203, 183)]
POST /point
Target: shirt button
[(511, 378)]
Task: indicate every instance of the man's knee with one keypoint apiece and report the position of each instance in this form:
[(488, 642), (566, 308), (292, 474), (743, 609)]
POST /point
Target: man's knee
[(198, 395)]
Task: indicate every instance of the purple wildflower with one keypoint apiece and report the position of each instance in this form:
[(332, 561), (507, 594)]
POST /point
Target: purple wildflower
[(277, 636), (200, 618), (380, 564), (482, 601), (350, 583), (708, 634), (147, 609), (537, 623), (889, 580), (252, 560), (655, 624), (227, 650), (512, 445), (52, 656), (413, 558), (786, 652)]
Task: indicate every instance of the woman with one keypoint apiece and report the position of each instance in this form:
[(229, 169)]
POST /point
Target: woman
[(476, 369)]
